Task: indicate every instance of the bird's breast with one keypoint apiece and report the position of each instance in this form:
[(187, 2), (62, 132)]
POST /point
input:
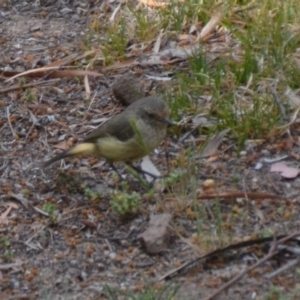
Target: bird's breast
[(146, 139)]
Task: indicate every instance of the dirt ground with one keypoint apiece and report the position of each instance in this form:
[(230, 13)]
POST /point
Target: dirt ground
[(87, 247)]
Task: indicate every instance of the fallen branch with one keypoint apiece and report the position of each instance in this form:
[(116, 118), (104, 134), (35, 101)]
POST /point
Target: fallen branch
[(187, 265), (237, 194), (284, 268), (25, 86), (271, 253)]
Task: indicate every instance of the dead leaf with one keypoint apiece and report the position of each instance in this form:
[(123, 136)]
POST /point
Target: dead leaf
[(158, 42), (62, 145), (56, 74), (261, 216), (153, 3), (213, 145), (285, 170), (293, 97), (211, 25), (71, 58), (148, 166), (20, 198), (4, 215), (280, 130)]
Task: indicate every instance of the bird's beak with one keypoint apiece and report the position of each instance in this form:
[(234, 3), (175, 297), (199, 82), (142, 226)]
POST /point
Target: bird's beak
[(167, 121)]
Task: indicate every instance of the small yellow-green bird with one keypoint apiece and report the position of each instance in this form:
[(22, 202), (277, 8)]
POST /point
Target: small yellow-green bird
[(126, 137)]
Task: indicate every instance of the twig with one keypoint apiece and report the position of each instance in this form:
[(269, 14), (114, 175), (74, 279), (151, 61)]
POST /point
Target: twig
[(29, 131), (286, 267), (36, 233), (92, 101), (71, 58), (40, 211), (274, 186), (237, 194), (291, 249), (20, 198), (271, 253), (278, 102), (15, 136), (25, 86), (109, 245), (18, 263), (5, 214), (4, 165), (221, 251)]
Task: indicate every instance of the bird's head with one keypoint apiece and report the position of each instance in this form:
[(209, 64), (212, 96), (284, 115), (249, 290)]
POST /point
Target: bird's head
[(155, 110)]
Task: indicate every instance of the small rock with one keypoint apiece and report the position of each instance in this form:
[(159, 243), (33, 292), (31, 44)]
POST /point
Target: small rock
[(127, 89), (158, 235), (35, 28), (112, 255), (66, 10)]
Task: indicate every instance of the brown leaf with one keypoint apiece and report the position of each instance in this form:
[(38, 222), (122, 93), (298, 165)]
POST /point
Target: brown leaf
[(154, 3), (40, 72), (62, 145), (213, 145)]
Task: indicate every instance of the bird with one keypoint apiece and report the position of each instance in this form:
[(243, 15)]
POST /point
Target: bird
[(126, 137)]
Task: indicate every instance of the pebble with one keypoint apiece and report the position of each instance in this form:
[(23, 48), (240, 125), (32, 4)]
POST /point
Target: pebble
[(112, 255), (127, 89)]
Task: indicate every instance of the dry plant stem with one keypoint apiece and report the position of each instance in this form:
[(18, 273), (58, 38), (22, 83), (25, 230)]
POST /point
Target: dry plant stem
[(139, 170), (239, 276), (271, 253), (40, 211), (4, 165), (29, 132), (286, 267), (294, 250), (11, 265), (250, 6), (166, 144), (274, 186), (279, 103), (36, 233), (9, 123), (92, 101), (60, 67), (235, 194), (220, 251), (188, 134), (25, 86)]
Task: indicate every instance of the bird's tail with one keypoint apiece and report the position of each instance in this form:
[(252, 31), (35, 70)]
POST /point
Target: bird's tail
[(84, 148)]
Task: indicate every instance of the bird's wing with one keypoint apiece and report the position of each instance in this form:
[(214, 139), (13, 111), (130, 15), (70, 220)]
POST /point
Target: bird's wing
[(119, 126)]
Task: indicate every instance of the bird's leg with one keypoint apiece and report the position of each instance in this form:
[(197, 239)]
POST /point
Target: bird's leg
[(116, 170), (145, 184), (141, 171)]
